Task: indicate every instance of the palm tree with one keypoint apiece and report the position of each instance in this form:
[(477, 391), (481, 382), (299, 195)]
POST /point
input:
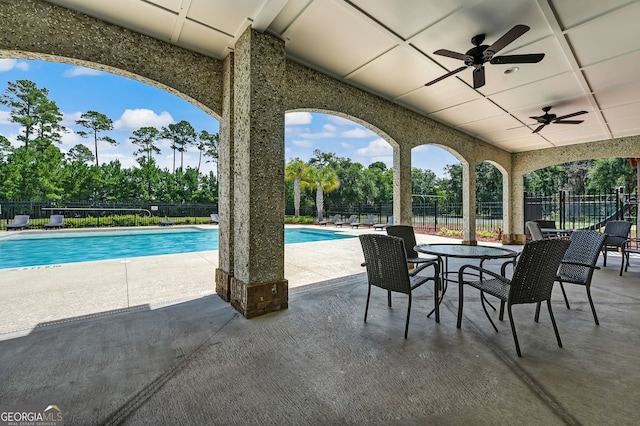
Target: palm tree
[(323, 180), (296, 171)]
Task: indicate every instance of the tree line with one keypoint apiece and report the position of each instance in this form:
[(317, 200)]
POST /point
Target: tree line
[(38, 170), (329, 179)]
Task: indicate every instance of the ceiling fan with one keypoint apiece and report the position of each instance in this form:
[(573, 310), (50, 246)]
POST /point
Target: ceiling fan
[(477, 56), (547, 118)]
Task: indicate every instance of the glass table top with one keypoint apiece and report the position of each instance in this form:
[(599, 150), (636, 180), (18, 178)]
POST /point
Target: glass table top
[(463, 250)]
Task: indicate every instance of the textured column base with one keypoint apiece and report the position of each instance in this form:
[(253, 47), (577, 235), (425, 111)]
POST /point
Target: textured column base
[(223, 284), (470, 243), (514, 239), (259, 299)]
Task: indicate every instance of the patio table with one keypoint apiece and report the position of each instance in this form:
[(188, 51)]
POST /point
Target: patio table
[(462, 251)]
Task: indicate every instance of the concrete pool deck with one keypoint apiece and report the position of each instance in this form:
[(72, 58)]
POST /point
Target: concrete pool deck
[(199, 362), (39, 296)]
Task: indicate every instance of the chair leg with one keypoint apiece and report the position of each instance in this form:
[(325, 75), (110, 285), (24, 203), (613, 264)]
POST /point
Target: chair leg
[(460, 304), (622, 261), (553, 321), (593, 308), (436, 301), (501, 315), (366, 309), (537, 316), (604, 256), (566, 301), (406, 327), (484, 307), (513, 330), (627, 265), (389, 297)]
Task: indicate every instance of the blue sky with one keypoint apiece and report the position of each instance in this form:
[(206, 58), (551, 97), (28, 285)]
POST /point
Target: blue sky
[(131, 105)]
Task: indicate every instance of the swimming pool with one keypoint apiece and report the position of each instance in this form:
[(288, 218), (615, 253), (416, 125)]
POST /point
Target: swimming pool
[(41, 248)]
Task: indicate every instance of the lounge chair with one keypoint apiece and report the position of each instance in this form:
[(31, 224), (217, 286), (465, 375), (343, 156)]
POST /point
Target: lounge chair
[(56, 221), (20, 221), (368, 222), (349, 221), (214, 218), (335, 219), (381, 226)]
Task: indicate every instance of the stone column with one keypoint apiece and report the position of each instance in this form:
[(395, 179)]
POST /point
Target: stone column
[(258, 285), (402, 213), (507, 213), (469, 203), (517, 214), (225, 185)]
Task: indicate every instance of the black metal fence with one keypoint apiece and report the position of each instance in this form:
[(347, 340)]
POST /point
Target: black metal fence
[(84, 214), (579, 211), (430, 213)]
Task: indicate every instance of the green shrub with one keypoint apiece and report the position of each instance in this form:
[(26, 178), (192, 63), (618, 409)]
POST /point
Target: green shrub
[(302, 220)]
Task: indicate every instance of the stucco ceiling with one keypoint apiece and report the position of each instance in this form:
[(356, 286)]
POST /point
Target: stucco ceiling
[(386, 47)]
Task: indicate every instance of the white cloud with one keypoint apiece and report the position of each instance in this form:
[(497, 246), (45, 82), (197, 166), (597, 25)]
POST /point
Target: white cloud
[(77, 71), (5, 117), (69, 118), (9, 64), (377, 148), (302, 143), (356, 133), (297, 118), (71, 139), (137, 118), (339, 120)]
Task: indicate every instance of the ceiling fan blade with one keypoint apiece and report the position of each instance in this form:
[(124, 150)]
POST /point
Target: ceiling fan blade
[(568, 121), (530, 58), (449, 74), (571, 115), (538, 128), (509, 37), (450, 54), (478, 77)]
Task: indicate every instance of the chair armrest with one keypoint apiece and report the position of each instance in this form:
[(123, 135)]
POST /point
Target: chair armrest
[(626, 243), (423, 265), (586, 265), (462, 270), (513, 262)]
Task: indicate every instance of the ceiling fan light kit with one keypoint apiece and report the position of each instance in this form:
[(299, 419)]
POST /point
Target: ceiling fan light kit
[(480, 54)]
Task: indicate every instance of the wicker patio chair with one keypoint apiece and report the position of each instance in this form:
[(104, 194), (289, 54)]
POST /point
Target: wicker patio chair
[(632, 245), (617, 233), (408, 235), (386, 262), (532, 281), (579, 263)]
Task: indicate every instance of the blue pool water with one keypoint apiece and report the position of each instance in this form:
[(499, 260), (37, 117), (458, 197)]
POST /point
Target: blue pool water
[(51, 248)]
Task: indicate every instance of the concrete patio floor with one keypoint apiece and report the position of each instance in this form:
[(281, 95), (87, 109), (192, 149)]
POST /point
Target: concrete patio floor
[(135, 351)]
